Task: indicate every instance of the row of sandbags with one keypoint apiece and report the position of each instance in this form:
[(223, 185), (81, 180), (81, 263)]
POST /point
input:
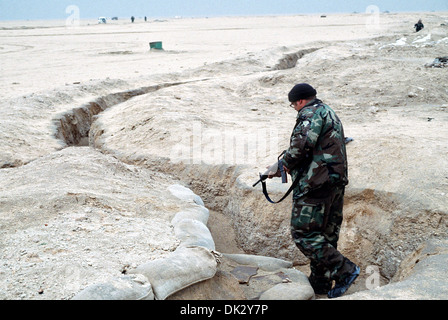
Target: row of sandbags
[(193, 261)]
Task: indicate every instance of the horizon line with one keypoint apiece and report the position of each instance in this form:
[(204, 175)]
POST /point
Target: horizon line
[(223, 15)]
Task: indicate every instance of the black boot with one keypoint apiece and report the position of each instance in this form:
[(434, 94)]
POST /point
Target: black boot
[(320, 285), (342, 285)]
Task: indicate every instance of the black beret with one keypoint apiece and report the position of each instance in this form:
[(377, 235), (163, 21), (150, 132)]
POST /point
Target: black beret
[(301, 91)]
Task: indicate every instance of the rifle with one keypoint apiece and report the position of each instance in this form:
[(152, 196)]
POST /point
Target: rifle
[(272, 170)]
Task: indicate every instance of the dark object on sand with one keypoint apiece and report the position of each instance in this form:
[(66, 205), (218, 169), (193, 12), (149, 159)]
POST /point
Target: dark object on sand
[(440, 62)]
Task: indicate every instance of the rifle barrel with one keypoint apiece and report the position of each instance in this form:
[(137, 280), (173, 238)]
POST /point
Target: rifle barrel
[(262, 178)]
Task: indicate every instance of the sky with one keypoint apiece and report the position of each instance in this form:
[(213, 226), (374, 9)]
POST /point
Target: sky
[(87, 9)]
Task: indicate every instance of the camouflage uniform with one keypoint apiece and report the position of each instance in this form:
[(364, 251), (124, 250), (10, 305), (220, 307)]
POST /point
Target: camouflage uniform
[(317, 157)]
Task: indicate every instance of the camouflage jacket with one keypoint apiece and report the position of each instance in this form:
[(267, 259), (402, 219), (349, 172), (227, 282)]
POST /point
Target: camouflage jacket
[(316, 154)]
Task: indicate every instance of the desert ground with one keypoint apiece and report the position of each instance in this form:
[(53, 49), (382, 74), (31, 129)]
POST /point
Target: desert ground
[(95, 128)]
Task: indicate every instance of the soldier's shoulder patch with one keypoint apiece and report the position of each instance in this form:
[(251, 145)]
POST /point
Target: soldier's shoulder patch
[(306, 123)]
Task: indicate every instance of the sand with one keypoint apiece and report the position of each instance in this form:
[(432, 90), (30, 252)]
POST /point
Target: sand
[(230, 77)]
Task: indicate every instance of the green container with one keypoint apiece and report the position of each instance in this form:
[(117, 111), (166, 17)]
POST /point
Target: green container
[(157, 45)]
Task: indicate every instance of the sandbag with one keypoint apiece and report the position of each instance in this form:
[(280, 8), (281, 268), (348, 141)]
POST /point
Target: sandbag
[(130, 287), (263, 262), (185, 194), (193, 233), (288, 291), (182, 268), (196, 212)]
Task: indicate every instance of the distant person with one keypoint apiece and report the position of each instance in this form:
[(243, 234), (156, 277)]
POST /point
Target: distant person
[(132, 19), (145, 19), (419, 26)]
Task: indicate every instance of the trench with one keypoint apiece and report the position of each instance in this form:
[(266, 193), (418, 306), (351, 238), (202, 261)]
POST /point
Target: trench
[(289, 60), (375, 230), (73, 127)]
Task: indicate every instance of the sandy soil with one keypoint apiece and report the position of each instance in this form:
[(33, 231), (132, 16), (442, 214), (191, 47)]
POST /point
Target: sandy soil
[(235, 75)]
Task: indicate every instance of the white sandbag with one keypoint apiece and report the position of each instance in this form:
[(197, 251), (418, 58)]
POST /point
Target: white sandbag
[(196, 212), (288, 291), (263, 262), (130, 287), (193, 233), (185, 194), (182, 268)]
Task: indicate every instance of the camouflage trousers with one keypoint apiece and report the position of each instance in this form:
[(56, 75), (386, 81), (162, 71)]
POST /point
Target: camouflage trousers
[(315, 224)]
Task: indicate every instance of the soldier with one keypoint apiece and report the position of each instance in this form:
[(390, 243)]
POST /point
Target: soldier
[(317, 157), (419, 25)]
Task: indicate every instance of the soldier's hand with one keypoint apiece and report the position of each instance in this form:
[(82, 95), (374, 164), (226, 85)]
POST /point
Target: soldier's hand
[(273, 174)]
